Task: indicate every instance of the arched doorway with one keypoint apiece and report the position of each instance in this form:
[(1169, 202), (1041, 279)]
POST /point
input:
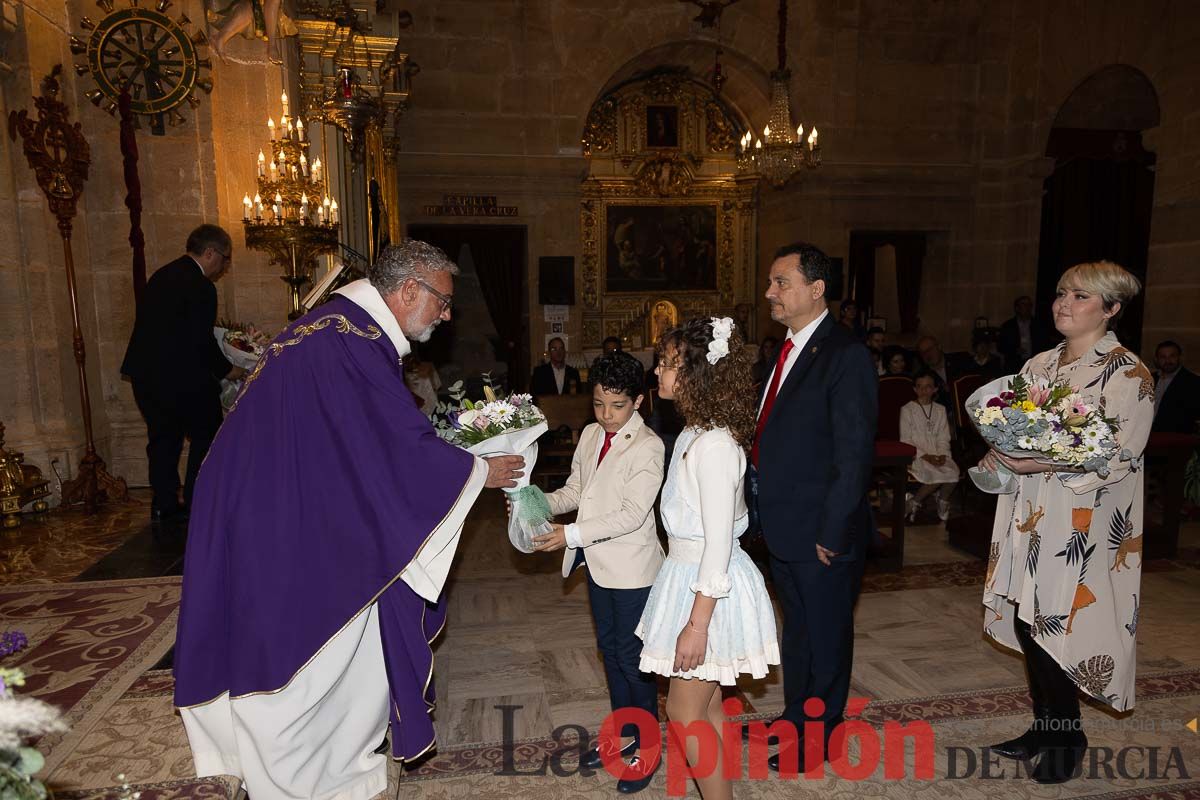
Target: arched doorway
[(1098, 201)]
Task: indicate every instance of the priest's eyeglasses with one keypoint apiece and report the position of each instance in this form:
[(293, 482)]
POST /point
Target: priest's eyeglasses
[(447, 300)]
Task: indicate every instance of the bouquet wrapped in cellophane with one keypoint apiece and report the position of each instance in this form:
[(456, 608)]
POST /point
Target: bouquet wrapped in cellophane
[(1025, 417), (501, 426), (242, 345)]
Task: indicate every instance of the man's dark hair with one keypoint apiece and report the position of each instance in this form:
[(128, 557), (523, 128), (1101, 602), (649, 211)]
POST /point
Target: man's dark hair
[(1169, 343), (556, 339), (620, 373), (608, 339), (207, 236), (1017, 302), (874, 330), (814, 264)]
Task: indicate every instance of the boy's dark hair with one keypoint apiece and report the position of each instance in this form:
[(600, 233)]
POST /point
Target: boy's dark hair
[(875, 329), (619, 372), (925, 373)]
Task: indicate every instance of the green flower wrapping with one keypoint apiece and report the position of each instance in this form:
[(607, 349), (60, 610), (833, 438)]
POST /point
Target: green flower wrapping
[(530, 505)]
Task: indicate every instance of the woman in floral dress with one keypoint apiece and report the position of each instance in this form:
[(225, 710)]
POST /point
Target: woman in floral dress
[(1065, 565)]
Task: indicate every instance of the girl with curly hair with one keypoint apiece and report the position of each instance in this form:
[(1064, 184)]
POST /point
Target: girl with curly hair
[(708, 618)]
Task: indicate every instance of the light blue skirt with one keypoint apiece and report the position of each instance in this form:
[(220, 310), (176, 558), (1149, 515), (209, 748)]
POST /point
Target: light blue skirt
[(742, 636)]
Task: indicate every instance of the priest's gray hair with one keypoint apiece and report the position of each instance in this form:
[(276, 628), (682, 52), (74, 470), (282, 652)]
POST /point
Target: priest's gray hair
[(410, 258)]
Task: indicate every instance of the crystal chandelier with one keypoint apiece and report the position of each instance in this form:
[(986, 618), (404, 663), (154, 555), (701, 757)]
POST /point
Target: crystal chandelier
[(781, 153)]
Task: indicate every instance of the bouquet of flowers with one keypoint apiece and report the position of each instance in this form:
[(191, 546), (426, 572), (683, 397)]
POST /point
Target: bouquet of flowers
[(500, 426), (242, 345), (21, 718), (1025, 417)]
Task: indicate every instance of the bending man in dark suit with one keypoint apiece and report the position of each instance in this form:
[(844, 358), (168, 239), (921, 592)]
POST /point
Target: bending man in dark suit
[(811, 465), (557, 377), (175, 364)]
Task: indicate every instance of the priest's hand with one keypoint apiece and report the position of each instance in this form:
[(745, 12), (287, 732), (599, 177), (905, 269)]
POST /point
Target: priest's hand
[(556, 539), (503, 471), (235, 374)]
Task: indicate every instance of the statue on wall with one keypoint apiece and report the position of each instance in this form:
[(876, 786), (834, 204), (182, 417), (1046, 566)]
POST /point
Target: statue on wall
[(663, 317), (255, 19)]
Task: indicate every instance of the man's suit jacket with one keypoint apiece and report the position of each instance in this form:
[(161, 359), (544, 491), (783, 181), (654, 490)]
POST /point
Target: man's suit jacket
[(542, 381), (172, 344), (616, 505), (1008, 342), (816, 451), (1179, 407)]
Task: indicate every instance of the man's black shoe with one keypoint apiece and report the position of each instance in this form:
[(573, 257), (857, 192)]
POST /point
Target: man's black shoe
[(772, 739), (593, 760), (642, 775)]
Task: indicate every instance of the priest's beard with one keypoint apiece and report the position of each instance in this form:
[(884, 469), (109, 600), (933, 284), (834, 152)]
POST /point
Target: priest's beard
[(425, 334)]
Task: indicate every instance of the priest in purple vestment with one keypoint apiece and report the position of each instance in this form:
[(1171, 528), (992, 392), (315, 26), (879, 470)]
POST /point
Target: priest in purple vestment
[(325, 519)]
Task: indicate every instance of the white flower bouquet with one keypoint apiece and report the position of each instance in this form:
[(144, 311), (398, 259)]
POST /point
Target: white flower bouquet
[(242, 346), (1031, 418), (499, 426)]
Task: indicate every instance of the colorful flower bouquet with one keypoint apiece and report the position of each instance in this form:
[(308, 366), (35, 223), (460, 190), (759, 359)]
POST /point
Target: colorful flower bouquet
[(242, 346), (500, 426), (1024, 417), (21, 718)]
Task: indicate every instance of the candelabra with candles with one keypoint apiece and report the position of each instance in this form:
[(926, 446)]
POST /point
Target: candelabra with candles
[(297, 221)]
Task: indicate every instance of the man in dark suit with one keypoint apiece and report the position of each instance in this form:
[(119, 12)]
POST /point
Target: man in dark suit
[(810, 470), (557, 377), (1023, 336), (1176, 391), (176, 365)]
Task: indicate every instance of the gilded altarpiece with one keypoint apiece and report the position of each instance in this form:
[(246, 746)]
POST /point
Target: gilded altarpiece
[(664, 217)]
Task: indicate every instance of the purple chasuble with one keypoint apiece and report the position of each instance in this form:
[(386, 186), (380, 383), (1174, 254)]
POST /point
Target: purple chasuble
[(319, 490)]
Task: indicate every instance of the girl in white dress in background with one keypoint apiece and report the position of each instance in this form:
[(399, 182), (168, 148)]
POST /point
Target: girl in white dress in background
[(923, 424), (708, 618)]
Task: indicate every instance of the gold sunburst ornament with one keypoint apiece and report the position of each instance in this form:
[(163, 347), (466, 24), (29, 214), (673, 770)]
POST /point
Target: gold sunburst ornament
[(145, 49)]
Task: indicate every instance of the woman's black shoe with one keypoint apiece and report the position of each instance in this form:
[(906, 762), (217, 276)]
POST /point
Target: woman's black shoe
[(1061, 762), (1029, 744)]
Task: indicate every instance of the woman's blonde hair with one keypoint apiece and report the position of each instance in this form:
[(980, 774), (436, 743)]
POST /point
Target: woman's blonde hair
[(1112, 282)]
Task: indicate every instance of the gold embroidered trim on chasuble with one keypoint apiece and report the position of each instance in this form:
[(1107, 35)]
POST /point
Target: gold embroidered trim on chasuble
[(303, 331)]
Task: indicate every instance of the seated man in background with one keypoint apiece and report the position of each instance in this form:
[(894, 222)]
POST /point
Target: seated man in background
[(1176, 391), (557, 377)]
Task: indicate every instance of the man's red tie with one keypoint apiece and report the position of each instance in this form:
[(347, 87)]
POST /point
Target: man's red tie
[(787, 348), (608, 437)]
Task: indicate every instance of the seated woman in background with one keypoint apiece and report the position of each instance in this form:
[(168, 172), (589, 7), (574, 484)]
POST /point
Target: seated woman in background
[(895, 362), (923, 425)]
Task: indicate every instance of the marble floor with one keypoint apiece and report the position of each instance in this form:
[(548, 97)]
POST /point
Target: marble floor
[(517, 659)]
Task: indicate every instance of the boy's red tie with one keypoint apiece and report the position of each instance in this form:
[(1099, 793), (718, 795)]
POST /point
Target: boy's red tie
[(608, 437)]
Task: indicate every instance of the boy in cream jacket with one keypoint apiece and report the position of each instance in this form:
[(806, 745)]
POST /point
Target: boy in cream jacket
[(616, 474)]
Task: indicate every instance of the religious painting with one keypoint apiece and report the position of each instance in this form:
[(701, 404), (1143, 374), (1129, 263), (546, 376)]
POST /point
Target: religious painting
[(662, 126), (661, 247)]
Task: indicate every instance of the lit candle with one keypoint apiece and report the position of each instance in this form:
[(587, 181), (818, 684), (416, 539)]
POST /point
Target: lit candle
[(295, 172), (304, 165), (304, 208), (246, 208), (325, 210), (320, 213), (278, 207), (316, 171), (262, 164), (800, 132), (257, 207), (291, 131), (333, 212), (283, 125), (766, 131), (271, 127), (283, 162), (285, 103), (274, 172), (758, 144), (812, 139), (299, 129)]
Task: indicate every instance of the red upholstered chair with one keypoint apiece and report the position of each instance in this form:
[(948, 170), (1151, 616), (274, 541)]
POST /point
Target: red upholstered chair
[(963, 388), (894, 392)]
